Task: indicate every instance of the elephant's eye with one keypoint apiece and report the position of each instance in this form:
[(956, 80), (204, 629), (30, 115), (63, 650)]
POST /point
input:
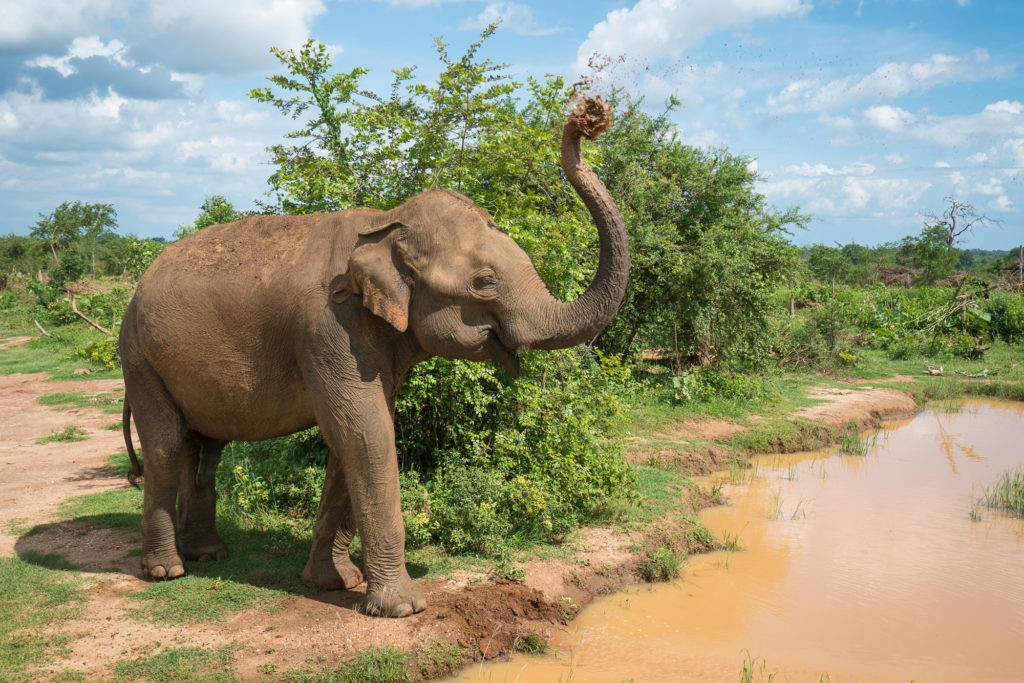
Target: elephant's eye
[(485, 281)]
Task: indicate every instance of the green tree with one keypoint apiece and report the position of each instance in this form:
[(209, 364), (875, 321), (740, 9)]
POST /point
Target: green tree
[(828, 264), (74, 222), (215, 210), (707, 250), (933, 253)]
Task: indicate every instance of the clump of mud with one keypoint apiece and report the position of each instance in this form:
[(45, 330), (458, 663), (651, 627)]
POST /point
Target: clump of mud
[(591, 116)]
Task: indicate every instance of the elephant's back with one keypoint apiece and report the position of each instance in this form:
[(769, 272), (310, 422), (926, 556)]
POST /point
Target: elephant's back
[(249, 244)]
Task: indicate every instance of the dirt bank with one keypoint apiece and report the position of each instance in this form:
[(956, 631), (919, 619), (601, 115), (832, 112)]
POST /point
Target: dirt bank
[(468, 610)]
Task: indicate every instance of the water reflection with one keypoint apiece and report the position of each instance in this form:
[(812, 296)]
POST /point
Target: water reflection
[(866, 567)]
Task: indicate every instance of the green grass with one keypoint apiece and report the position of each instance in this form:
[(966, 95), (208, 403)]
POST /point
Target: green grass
[(266, 555), (753, 669), (660, 564), (531, 644), (109, 402), (37, 594), (49, 355), (193, 599), (375, 665), (439, 659), (1007, 493), (181, 664), (66, 435)]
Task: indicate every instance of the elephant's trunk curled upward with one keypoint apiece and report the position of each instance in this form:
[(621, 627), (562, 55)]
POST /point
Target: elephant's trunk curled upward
[(560, 324)]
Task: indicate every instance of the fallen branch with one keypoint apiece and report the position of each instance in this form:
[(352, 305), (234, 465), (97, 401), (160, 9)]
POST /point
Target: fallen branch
[(87, 319), (983, 373), (45, 333)]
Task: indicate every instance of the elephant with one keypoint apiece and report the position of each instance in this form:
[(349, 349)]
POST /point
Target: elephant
[(273, 324)]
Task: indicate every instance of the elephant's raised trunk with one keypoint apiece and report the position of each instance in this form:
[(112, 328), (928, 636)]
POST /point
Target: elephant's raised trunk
[(561, 324)]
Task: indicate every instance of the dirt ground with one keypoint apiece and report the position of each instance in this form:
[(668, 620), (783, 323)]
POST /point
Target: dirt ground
[(34, 479)]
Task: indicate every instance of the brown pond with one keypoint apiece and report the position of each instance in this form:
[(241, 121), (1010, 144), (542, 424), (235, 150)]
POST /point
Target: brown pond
[(861, 567)]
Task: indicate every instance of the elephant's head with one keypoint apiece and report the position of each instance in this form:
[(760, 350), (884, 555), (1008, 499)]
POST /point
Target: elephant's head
[(439, 267)]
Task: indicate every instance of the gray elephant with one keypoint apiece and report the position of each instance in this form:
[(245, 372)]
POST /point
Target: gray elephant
[(272, 324)]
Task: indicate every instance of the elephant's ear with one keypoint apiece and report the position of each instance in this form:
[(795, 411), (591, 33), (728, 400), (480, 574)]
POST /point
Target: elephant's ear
[(375, 272)]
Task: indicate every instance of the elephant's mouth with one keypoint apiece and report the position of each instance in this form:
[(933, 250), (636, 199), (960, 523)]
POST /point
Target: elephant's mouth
[(508, 358)]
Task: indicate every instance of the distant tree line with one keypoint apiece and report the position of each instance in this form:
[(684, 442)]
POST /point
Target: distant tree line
[(79, 239), (925, 259)]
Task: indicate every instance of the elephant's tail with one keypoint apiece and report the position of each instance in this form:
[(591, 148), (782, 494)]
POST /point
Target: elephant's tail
[(135, 474)]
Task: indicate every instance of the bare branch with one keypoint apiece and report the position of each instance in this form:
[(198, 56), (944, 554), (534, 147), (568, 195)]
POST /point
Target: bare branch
[(87, 318), (959, 218)]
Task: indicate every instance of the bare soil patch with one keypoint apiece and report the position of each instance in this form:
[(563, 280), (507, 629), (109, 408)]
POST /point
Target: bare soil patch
[(865, 407), (8, 342), (35, 478)]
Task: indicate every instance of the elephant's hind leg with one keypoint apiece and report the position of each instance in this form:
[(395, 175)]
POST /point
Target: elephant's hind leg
[(197, 502), (165, 450), (329, 566)]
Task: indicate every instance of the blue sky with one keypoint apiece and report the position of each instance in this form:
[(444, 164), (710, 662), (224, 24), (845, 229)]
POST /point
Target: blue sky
[(865, 114)]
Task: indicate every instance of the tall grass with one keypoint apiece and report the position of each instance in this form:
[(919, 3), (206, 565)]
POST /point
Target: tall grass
[(1007, 493)]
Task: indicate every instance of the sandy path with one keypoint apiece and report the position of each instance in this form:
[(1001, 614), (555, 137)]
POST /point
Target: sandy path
[(35, 478)]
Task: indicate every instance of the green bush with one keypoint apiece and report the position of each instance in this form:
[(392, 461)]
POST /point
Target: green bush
[(710, 384), (105, 352), (1006, 311), (487, 463), (284, 474)]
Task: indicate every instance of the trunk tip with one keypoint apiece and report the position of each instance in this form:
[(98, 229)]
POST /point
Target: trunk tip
[(591, 116)]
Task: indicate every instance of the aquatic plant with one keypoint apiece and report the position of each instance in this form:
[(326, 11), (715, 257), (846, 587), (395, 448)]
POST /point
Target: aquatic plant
[(1007, 493)]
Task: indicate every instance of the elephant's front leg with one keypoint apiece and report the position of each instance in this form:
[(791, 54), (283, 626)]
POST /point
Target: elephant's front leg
[(358, 428), (329, 566)]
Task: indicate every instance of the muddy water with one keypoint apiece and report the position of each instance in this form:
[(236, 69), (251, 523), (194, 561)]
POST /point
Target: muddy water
[(864, 567)]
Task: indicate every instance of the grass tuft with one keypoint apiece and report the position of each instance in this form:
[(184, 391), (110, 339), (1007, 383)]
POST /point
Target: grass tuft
[(531, 644), (1007, 494), (37, 593), (439, 659), (181, 664), (66, 435), (660, 564), (375, 665)]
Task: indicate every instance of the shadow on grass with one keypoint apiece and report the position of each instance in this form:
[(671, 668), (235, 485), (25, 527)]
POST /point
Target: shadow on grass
[(266, 554)]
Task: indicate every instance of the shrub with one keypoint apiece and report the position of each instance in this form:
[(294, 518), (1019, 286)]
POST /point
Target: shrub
[(486, 463), (660, 565), (1006, 311)]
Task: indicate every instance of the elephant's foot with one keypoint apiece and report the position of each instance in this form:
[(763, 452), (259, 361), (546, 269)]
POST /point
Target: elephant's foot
[(165, 565), (204, 549), (400, 599), (332, 574)]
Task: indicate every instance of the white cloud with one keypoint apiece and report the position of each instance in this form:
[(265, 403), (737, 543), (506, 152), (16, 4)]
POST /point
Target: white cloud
[(54, 21), (888, 81), (227, 36), (1004, 119), (1002, 203), (942, 164), (81, 48), (858, 168), (655, 29), (1005, 107), (514, 17), (896, 159), (891, 119), (187, 36), (105, 107)]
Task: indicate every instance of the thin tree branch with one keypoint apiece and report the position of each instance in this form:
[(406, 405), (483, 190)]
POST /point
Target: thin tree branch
[(87, 318)]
